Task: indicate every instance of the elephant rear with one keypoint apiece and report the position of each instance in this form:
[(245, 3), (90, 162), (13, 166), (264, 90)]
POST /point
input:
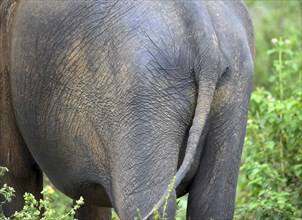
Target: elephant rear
[(113, 98), (103, 103)]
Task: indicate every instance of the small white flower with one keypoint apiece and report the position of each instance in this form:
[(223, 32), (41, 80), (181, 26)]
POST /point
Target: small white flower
[(274, 40), (287, 42), (250, 121)]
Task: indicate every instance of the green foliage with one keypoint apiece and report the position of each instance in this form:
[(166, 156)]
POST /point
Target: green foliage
[(270, 183), (59, 202), (181, 208), (36, 210), (273, 18), (6, 191), (170, 190)]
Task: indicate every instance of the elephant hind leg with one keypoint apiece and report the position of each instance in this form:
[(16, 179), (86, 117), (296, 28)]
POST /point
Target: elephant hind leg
[(212, 193), (24, 174), (90, 212)]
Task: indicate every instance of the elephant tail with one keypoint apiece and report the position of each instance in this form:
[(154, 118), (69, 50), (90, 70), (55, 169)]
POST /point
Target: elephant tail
[(206, 89)]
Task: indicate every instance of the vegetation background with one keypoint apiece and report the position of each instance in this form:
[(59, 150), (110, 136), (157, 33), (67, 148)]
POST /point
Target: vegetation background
[(270, 181)]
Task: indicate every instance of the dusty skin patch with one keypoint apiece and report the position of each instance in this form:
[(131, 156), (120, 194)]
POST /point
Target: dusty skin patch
[(75, 115), (215, 41)]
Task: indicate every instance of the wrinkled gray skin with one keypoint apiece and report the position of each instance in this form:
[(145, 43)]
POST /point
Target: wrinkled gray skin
[(107, 94)]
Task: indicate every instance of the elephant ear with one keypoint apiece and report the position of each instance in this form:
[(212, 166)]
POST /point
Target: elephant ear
[(206, 78)]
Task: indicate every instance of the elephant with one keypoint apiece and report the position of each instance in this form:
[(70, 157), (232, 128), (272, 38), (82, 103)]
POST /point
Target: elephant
[(116, 100)]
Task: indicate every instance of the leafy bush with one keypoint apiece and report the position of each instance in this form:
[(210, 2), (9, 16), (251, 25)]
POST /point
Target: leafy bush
[(270, 183), (43, 209), (273, 18)]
